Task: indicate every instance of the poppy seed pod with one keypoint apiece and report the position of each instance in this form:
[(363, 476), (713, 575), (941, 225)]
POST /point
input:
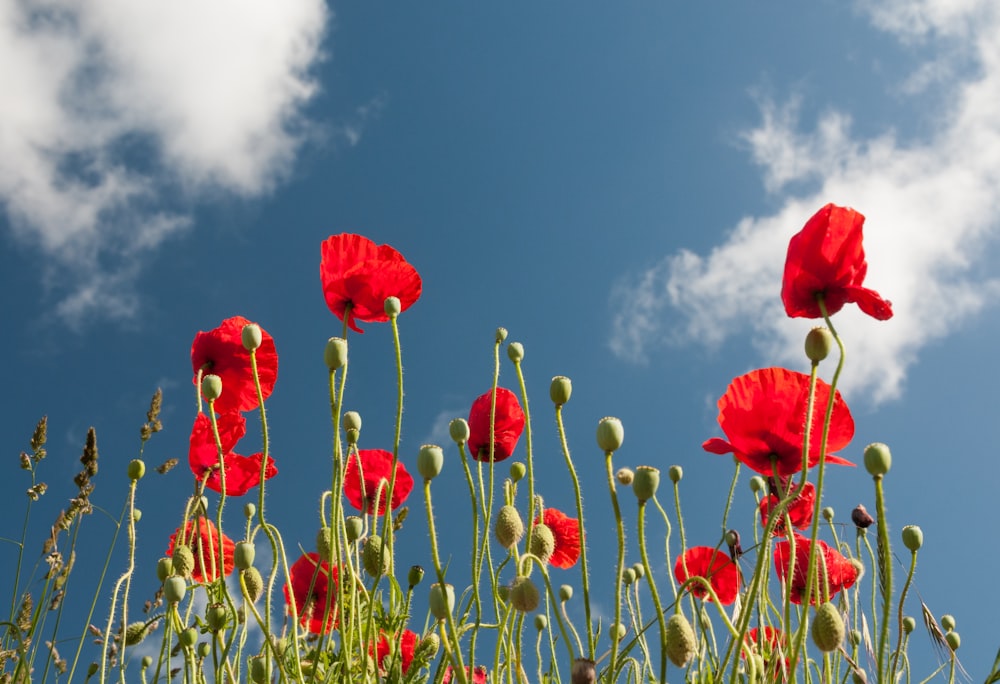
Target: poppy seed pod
[(625, 476), (458, 429), (948, 622), (174, 588), (524, 595), (164, 568), (243, 555), (335, 353), (517, 471), (819, 343), (136, 469), (565, 592), (211, 387), (251, 336), (430, 460), (646, 482), (542, 542), (352, 420), (515, 352), (509, 526), (913, 538), (188, 637), (610, 434), (392, 307), (541, 622), (259, 670), (415, 576), (909, 624), (954, 640), (215, 616), (249, 510), (679, 640), (675, 473), (828, 628), (353, 526), (878, 459), (441, 600), (254, 583), (501, 335), (560, 390)]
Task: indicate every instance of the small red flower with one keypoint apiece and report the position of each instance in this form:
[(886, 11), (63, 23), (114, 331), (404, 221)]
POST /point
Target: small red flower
[(242, 472), (832, 569), (763, 414), (800, 511), (221, 352), (508, 423), (203, 537), (358, 276), (826, 259), (566, 531), (376, 469), (478, 676), (312, 580), (407, 644), (721, 572)]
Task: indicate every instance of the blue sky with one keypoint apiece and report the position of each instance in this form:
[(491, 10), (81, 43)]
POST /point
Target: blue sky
[(616, 185)]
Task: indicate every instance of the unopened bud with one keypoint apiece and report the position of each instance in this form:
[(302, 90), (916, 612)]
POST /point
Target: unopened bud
[(164, 567), (243, 555), (524, 594), (675, 473), (954, 640), (640, 570), (392, 307), (352, 420), (509, 527), (458, 429), (861, 518), (254, 583), (913, 538), (517, 471), (541, 622), (828, 628), (948, 622), (757, 484), (375, 556), (878, 459), (335, 353), (647, 481), (625, 476), (565, 592), (542, 542), (909, 624), (353, 527), (584, 671), (430, 460), (252, 336), (610, 434), (827, 513), (560, 390), (249, 510), (182, 560), (442, 600), (515, 352), (819, 344), (136, 469), (501, 335), (679, 640), (415, 576), (135, 633), (211, 387), (628, 576)]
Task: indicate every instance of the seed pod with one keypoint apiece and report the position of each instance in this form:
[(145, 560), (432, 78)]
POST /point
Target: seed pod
[(430, 460), (174, 588), (610, 434), (560, 390), (828, 628), (878, 459), (243, 555), (442, 600)]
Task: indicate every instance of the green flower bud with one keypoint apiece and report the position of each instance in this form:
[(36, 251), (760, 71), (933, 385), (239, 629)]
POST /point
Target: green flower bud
[(352, 420), (878, 460), (183, 560), (610, 434), (427, 648), (335, 353), (913, 538), (430, 460), (249, 510), (542, 542), (353, 526), (560, 390), (524, 594), (618, 631), (174, 588), (640, 570), (819, 344), (855, 636), (679, 640), (541, 622), (565, 592), (909, 624), (254, 583), (501, 335), (948, 622), (136, 515), (136, 469), (259, 673), (392, 307), (442, 600), (827, 513), (517, 471), (675, 473), (164, 568), (509, 527), (625, 476), (647, 480), (215, 616), (243, 555), (375, 556), (515, 352), (954, 640), (211, 387), (415, 576), (204, 649), (758, 484), (324, 543), (827, 628), (458, 429), (146, 662), (135, 633), (252, 336), (628, 576)]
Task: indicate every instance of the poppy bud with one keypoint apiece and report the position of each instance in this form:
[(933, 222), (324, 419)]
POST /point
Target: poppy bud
[(353, 526), (252, 336), (254, 583), (878, 460), (828, 628), (204, 649), (948, 622), (542, 542), (565, 592), (541, 622), (524, 594), (517, 471), (430, 460), (135, 633), (628, 576), (352, 420), (188, 637), (324, 544), (647, 480), (757, 484), (136, 515), (610, 434), (146, 662), (675, 473), (509, 526), (164, 567), (335, 353), (243, 555), (375, 556), (909, 624), (182, 561), (392, 307), (174, 588), (515, 352), (855, 636), (584, 671), (625, 476), (459, 430), (415, 576), (679, 640), (954, 640), (639, 569), (427, 648), (249, 510), (211, 387), (442, 600), (560, 390), (136, 469), (913, 538), (259, 670), (215, 616), (501, 335), (827, 513), (819, 343), (861, 518), (618, 631)]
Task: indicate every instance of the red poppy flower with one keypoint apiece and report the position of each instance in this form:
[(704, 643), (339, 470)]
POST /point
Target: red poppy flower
[(358, 276), (715, 566), (836, 572), (203, 538), (566, 531), (826, 258), (508, 423), (407, 644), (478, 676), (242, 472), (768, 642), (763, 415), (312, 580), (800, 510), (376, 469), (221, 352)]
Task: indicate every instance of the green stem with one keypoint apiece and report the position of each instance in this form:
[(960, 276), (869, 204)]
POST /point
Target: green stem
[(619, 565), (653, 591)]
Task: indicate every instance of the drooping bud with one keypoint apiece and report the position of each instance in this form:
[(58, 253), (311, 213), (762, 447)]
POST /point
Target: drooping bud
[(430, 460), (878, 459), (517, 471), (509, 527), (679, 640), (913, 538), (174, 588), (211, 387), (136, 514), (335, 353), (628, 576), (243, 555), (204, 649), (618, 630), (182, 560), (610, 434), (145, 663), (254, 583), (415, 576), (828, 628), (515, 352), (541, 622), (639, 569), (392, 307), (647, 481), (249, 510), (861, 518), (375, 556), (324, 543), (252, 336), (442, 600), (136, 469), (428, 647), (542, 542), (188, 637), (819, 344), (458, 429), (560, 390), (827, 513), (524, 594)]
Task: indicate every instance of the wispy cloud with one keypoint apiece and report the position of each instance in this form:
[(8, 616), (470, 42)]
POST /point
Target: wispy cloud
[(113, 110), (932, 207)]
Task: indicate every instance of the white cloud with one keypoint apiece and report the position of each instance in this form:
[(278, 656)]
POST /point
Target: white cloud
[(931, 207), (114, 107)]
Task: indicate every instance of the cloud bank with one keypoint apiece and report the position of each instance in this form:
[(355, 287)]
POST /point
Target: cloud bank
[(113, 108), (931, 207)]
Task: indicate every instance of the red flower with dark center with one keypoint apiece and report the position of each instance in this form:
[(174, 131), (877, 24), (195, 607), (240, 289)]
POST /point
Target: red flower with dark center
[(508, 423), (203, 537), (221, 352), (720, 571), (566, 532), (358, 276), (478, 676), (312, 580), (832, 569), (826, 259), (242, 472), (361, 488), (800, 510), (407, 644), (763, 413)]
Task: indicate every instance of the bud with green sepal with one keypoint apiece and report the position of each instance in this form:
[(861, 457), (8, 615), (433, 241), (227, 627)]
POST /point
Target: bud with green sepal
[(679, 640), (878, 459), (524, 595), (610, 434), (913, 538), (646, 482), (542, 542), (819, 344), (335, 353), (211, 387), (251, 336), (828, 628), (430, 461), (560, 390), (509, 527)]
